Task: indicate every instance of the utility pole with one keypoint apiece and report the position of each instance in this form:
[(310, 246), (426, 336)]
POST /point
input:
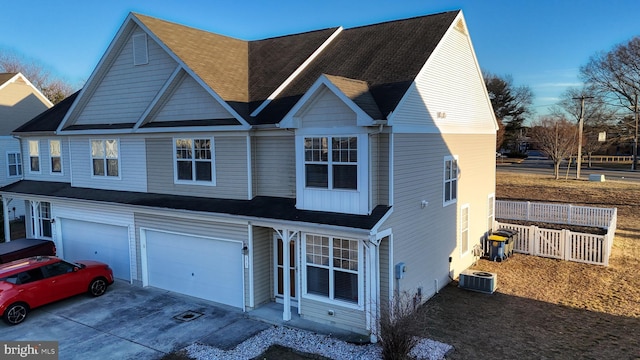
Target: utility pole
[(580, 129), (635, 138)]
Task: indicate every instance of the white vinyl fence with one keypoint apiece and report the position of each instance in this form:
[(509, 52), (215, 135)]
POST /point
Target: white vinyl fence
[(560, 244)]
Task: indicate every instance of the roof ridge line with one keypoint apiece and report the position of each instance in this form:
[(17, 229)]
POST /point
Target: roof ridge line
[(297, 72)]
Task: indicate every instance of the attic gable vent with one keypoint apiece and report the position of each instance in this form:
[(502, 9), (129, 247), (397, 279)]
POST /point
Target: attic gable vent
[(460, 27), (140, 53)]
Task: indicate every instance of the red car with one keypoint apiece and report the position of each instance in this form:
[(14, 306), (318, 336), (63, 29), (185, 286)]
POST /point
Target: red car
[(29, 283)]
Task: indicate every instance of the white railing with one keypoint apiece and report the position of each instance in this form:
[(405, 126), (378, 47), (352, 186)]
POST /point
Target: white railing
[(560, 244), (554, 213)]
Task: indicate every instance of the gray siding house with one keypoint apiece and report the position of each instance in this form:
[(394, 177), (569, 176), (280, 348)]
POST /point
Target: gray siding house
[(20, 101), (301, 170)]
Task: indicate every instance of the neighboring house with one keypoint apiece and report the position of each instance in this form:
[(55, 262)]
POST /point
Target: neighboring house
[(303, 169), (20, 101)]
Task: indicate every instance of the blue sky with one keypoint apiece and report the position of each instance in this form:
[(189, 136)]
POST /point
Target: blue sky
[(539, 43)]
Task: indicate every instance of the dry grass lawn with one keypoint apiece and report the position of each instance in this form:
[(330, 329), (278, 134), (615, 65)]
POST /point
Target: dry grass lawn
[(545, 308)]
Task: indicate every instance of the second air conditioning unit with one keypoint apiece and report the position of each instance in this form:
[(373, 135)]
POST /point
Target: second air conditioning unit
[(476, 280)]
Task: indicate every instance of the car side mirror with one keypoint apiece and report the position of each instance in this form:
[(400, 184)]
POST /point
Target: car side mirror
[(75, 268)]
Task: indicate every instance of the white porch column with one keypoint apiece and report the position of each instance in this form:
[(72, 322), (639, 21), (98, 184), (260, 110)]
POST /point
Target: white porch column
[(5, 215), (286, 279), (35, 219)]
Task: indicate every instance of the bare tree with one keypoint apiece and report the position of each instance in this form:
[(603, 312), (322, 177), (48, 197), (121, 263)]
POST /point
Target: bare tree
[(556, 137), (54, 89), (615, 75)]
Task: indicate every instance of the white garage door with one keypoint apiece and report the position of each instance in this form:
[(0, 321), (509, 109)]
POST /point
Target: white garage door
[(84, 240), (200, 267)]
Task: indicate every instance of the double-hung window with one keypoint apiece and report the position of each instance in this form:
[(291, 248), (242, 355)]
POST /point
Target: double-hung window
[(331, 162), (194, 160), (104, 157), (55, 152), (450, 190), (332, 267), (34, 155), (464, 229), (14, 163)]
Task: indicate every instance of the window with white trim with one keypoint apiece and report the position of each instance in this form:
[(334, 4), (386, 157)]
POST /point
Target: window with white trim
[(450, 190), (104, 157), (41, 220), (194, 160), (55, 151), (14, 164), (332, 267), (464, 229), (34, 155), (331, 162)]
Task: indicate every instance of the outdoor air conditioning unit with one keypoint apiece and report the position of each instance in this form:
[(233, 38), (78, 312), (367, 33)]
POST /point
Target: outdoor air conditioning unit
[(476, 280)]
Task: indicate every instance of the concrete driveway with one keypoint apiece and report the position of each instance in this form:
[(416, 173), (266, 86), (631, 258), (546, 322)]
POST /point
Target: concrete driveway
[(130, 322)]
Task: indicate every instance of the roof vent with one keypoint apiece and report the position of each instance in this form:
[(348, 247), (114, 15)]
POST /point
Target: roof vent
[(140, 53)]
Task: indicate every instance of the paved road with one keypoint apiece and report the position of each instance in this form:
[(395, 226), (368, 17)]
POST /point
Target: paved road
[(542, 166)]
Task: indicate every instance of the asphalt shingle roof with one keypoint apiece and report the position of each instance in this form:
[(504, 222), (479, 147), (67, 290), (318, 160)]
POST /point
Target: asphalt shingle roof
[(263, 207), (48, 120)]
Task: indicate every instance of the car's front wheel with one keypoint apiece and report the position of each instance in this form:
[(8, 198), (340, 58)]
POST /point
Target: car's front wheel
[(15, 313), (98, 287)]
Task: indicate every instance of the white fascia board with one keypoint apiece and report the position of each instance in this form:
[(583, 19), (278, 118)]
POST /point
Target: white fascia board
[(19, 75), (288, 121), (297, 72), (192, 74), (190, 129), (117, 41)]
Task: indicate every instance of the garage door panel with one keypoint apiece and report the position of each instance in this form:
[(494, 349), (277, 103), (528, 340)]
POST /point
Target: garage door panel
[(202, 267), (84, 240)]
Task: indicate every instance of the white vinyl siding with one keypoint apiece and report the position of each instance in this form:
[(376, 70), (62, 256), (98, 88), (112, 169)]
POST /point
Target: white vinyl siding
[(262, 268), (19, 103), (230, 166), (131, 160), (327, 111), (45, 173), (451, 84), (274, 169), (189, 101), (125, 91)]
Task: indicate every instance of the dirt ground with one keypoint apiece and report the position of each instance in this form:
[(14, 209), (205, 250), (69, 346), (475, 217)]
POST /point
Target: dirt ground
[(546, 308)]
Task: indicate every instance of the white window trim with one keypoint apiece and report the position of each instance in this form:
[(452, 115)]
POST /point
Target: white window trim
[(194, 181), (444, 179), (462, 229), (18, 162), (105, 176), (39, 171), (331, 162), (61, 164), (328, 299)]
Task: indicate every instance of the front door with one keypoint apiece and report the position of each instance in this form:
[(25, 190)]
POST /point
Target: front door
[(280, 267)]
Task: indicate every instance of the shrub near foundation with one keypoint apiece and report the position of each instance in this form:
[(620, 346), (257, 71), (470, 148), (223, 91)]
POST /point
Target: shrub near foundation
[(397, 327)]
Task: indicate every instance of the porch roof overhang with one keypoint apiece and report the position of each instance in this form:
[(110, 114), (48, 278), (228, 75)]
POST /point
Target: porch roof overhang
[(260, 207)]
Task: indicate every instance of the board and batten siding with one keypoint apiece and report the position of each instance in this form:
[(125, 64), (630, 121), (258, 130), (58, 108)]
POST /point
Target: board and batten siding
[(327, 111), (45, 160), (262, 265), (189, 227), (126, 90), (131, 160), (230, 168), (189, 101), (274, 169), (449, 95)]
